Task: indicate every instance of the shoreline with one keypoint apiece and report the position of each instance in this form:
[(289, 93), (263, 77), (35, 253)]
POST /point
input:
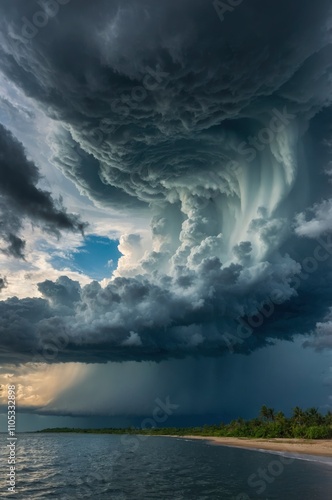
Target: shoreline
[(317, 447)]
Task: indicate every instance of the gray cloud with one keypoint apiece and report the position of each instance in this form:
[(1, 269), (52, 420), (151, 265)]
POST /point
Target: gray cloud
[(212, 90), (156, 318), (21, 199), (3, 283), (63, 292), (319, 223), (322, 334), (217, 130)]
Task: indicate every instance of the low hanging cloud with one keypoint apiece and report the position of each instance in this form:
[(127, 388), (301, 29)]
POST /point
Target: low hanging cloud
[(22, 200), (215, 130)]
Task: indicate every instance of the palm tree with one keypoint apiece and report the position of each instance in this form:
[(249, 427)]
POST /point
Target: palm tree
[(313, 416), (280, 416), (264, 413), (298, 415), (271, 414), (267, 413), (328, 418)]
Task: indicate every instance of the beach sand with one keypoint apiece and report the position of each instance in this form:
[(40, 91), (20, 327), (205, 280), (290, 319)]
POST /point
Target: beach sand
[(321, 447)]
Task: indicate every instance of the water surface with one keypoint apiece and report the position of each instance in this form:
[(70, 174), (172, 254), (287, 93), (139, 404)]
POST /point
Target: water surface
[(70, 466)]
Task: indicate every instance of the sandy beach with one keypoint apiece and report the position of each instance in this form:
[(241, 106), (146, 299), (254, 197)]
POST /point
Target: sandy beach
[(321, 447)]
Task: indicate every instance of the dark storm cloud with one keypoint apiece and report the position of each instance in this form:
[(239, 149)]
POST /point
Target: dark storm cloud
[(144, 319), (21, 199), (149, 88), (3, 283), (214, 128), (64, 291), (19, 339), (86, 171)]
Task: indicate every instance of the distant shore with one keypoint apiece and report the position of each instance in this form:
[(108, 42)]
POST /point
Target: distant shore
[(321, 447)]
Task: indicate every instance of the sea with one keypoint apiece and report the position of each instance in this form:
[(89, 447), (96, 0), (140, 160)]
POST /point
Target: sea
[(119, 467)]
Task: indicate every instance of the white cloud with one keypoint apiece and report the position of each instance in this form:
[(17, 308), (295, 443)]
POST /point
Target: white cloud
[(320, 220)]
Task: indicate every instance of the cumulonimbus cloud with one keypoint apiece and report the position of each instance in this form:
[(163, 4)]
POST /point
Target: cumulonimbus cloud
[(215, 129)]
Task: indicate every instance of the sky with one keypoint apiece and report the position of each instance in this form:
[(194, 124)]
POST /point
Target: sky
[(165, 209)]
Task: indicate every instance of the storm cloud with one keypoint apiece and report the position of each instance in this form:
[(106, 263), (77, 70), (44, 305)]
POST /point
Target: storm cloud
[(214, 128), (3, 283), (211, 311), (21, 199)]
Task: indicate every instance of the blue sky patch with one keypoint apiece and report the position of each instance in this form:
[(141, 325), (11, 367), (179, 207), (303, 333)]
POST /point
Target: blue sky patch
[(97, 258)]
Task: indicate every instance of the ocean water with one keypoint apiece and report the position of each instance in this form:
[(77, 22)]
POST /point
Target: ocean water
[(73, 466)]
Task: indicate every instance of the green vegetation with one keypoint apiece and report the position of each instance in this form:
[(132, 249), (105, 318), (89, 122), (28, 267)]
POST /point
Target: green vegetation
[(306, 424)]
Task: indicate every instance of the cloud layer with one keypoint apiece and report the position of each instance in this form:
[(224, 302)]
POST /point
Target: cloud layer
[(215, 129)]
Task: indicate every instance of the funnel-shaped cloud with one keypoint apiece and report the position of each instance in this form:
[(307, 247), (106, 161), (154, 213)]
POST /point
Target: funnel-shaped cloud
[(216, 130)]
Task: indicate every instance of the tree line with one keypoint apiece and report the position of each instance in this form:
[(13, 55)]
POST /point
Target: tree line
[(305, 424)]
